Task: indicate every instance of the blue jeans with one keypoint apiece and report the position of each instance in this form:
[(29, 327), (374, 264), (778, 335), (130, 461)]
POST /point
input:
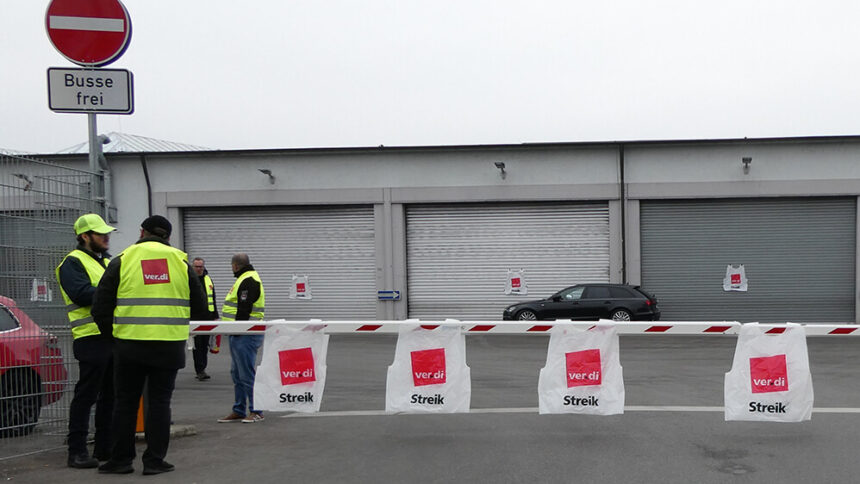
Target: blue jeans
[(243, 351)]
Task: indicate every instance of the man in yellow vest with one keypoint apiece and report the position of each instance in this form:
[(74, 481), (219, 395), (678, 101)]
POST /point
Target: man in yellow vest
[(78, 275), (246, 301), (203, 342), (146, 297)]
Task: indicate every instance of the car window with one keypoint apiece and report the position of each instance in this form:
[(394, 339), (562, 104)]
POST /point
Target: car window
[(597, 292), (621, 293), (572, 294), (7, 321)]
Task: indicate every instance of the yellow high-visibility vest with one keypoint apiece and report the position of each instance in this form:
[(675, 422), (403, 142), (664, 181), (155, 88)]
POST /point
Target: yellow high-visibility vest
[(81, 317), (210, 292), (228, 310), (153, 297)]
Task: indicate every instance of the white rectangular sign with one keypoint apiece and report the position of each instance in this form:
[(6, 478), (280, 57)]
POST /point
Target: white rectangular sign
[(106, 91)]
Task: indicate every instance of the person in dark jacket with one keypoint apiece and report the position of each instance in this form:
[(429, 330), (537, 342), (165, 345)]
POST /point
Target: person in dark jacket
[(146, 298), (204, 342), (78, 275), (246, 301)]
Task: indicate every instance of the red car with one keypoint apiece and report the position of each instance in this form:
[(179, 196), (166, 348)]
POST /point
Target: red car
[(32, 373)]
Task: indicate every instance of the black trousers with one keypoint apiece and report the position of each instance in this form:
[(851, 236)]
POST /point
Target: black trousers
[(94, 387), (129, 378), (200, 352)]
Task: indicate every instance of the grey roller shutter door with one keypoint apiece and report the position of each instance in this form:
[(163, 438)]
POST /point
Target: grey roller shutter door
[(458, 255), (798, 255), (333, 246)]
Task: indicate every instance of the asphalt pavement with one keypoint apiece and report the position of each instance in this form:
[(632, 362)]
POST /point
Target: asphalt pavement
[(672, 431)]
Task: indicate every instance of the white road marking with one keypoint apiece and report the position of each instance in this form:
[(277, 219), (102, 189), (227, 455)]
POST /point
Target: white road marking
[(631, 408), (96, 24)]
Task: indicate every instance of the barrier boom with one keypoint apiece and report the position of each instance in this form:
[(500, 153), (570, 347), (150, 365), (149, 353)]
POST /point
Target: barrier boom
[(701, 328)]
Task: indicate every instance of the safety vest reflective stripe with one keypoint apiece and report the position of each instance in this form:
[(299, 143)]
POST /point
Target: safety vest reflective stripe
[(156, 320), (80, 318), (80, 322), (210, 292), (153, 294), (230, 304), (152, 301)]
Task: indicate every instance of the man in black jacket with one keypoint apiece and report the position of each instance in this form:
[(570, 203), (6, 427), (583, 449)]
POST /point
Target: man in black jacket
[(146, 298), (203, 342), (78, 275), (246, 301)]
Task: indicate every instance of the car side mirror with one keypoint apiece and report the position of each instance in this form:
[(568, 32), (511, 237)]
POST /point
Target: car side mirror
[(556, 298)]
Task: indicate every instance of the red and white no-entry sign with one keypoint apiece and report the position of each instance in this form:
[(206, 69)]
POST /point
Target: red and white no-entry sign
[(90, 33)]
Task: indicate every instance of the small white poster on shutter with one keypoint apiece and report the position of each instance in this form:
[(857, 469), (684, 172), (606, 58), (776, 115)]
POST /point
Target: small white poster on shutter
[(515, 283), (40, 291), (736, 278), (300, 288)]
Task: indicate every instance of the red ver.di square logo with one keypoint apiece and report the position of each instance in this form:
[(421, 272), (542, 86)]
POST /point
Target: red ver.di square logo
[(297, 366), (768, 374), (428, 367), (583, 368), (155, 271)]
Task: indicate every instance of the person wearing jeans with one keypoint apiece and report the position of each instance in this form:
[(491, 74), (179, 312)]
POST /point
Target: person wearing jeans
[(246, 301)]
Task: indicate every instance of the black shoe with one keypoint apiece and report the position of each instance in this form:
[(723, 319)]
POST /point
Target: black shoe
[(157, 468), (202, 376), (82, 461), (101, 456), (111, 467)]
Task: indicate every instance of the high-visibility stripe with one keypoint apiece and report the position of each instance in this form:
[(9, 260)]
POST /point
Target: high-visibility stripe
[(230, 304), (81, 322), (152, 301), (153, 320)]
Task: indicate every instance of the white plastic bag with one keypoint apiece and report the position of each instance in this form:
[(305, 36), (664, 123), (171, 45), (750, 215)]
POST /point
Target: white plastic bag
[(583, 372), (429, 372), (515, 284), (300, 288), (770, 378), (736, 278), (291, 375)]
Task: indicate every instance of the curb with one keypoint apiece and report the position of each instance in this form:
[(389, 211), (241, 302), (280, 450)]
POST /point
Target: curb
[(176, 431)]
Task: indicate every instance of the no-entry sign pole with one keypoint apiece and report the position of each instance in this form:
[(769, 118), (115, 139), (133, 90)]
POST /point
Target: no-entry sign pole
[(92, 34)]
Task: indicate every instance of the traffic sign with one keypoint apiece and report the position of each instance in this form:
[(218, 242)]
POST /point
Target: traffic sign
[(93, 33), (104, 91), (388, 295)]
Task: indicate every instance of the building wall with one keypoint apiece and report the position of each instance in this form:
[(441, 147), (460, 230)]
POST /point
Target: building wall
[(621, 174)]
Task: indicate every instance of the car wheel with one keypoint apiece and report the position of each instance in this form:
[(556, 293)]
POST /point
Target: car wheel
[(620, 315), (526, 315), (19, 404)]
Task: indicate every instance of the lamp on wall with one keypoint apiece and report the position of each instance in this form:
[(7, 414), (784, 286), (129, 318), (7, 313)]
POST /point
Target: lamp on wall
[(746, 160), (501, 166), (268, 172)]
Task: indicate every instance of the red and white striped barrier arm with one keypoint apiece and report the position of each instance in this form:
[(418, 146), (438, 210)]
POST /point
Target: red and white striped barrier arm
[(703, 328)]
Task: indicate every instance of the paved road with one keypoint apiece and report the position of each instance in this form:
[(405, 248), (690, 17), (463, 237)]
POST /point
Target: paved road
[(504, 440)]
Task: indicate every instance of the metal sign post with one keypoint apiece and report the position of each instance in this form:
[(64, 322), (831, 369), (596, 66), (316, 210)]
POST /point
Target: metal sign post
[(91, 34)]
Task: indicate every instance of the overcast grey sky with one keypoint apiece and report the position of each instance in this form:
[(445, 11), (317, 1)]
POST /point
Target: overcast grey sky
[(286, 74)]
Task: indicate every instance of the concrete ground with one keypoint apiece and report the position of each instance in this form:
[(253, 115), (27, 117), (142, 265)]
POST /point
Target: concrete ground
[(672, 431)]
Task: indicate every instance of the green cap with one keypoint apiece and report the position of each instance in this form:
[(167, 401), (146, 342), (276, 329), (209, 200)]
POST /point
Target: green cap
[(92, 222)]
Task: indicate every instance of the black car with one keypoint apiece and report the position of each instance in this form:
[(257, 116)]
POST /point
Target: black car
[(589, 302)]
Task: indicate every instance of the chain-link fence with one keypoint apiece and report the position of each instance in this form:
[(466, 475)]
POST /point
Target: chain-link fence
[(39, 203)]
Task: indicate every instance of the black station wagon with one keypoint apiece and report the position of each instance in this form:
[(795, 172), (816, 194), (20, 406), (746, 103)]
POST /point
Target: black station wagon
[(589, 302)]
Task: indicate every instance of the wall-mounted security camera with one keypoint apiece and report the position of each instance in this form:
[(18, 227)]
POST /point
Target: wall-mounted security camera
[(501, 166)]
